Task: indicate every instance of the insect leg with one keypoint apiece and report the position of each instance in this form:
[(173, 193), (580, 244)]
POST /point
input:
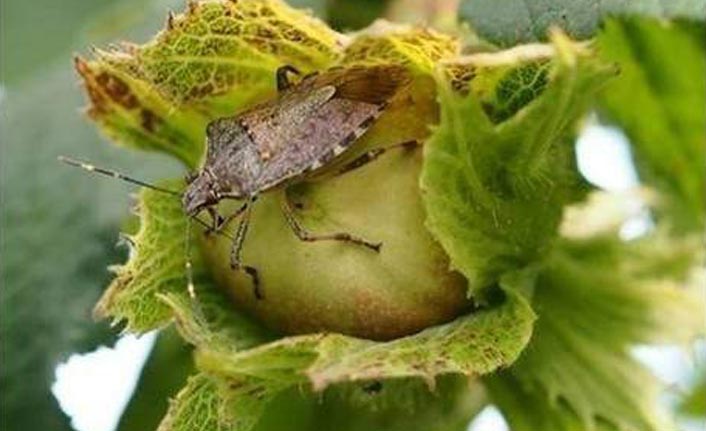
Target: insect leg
[(216, 220), (282, 79), (374, 154), (305, 235), (235, 259), (219, 222)]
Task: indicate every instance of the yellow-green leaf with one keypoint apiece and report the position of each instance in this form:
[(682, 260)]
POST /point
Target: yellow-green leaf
[(597, 298), (156, 265), (213, 60), (500, 166), (659, 100), (418, 47), (132, 114), (229, 50), (472, 345)]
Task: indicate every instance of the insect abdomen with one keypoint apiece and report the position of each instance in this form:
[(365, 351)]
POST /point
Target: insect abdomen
[(347, 141)]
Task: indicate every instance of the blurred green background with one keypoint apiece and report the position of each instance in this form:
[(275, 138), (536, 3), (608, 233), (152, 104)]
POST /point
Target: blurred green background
[(58, 226)]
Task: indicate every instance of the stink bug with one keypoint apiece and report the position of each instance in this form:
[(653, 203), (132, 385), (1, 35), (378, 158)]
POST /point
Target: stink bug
[(282, 141)]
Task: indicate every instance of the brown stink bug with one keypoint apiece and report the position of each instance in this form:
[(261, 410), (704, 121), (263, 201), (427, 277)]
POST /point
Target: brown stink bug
[(282, 141)]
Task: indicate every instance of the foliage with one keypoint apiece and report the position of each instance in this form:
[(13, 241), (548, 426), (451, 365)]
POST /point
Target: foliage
[(483, 182), (669, 147), (596, 297)]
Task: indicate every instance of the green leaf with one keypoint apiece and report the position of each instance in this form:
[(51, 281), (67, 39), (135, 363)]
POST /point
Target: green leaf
[(150, 290), (198, 407), (158, 256), (494, 193), (213, 320), (345, 15), (509, 22), (531, 410), (396, 404), (393, 405), (247, 381), (596, 299), (384, 43), (662, 72), (130, 113), (229, 49)]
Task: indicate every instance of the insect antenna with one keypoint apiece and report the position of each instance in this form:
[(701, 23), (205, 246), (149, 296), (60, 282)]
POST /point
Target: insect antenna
[(188, 265), (199, 314), (115, 174), (190, 288)]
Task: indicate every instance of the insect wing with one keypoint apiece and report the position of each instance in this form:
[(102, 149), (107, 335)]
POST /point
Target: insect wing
[(311, 141), (270, 125)]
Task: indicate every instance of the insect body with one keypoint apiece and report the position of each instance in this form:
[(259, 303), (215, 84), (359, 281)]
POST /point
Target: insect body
[(304, 128), (276, 143)]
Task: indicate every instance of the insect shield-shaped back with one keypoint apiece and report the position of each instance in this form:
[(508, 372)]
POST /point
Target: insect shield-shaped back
[(304, 128)]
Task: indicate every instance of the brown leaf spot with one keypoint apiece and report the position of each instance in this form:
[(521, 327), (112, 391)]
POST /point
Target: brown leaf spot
[(265, 33), (98, 104), (294, 35), (257, 392), (148, 120), (117, 90), (201, 91), (461, 77), (234, 385)]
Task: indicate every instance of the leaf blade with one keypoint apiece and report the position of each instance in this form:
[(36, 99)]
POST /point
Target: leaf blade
[(254, 377), (211, 61), (481, 181), (598, 297), (667, 133)]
